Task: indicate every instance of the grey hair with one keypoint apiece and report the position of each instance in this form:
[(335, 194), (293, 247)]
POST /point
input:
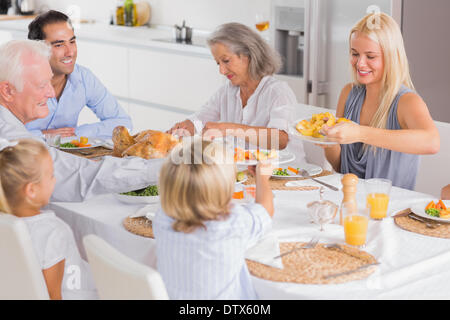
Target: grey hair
[(241, 40), (11, 62)]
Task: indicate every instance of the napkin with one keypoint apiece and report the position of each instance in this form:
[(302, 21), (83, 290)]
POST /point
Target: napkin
[(334, 180), (149, 211), (265, 251)]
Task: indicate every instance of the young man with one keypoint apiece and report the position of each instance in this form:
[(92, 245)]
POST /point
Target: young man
[(75, 86)]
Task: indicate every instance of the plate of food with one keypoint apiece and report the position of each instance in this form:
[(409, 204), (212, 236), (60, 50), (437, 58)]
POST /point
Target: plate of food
[(251, 157), (308, 129), (75, 143), (438, 210), (142, 196), (288, 172)]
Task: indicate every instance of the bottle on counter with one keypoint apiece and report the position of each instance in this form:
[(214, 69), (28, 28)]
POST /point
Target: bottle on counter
[(120, 13), (130, 13)]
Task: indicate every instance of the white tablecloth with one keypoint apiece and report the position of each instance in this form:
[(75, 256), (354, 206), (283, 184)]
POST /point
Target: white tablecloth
[(412, 266)]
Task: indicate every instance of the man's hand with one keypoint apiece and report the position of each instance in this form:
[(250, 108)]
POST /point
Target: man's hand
[(63, 132), (182, 129)]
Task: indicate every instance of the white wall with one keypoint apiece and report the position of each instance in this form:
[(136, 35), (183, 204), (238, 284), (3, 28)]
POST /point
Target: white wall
[(200, 14)]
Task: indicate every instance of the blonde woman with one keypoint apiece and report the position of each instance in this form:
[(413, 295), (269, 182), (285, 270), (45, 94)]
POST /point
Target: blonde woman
[(391, 123), (201, 237), (26, 184)]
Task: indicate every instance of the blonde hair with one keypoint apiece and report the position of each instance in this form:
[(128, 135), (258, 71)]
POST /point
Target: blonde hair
[(18, 168), (200, 187), (383, 29)]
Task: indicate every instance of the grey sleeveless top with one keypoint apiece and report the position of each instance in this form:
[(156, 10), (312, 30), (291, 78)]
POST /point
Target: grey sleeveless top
[(400, 168)]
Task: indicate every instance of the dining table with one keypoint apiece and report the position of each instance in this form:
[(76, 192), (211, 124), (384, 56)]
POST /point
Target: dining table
[(411, 265)]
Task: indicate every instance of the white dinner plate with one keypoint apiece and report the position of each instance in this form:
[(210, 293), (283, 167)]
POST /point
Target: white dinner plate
[(94, 142), (419, 209), (283, 157), (312, 170), (136, 199), (293, 130)]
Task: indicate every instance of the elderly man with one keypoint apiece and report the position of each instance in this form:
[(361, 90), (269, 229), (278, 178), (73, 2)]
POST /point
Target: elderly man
[(75, 86), (25, 87)]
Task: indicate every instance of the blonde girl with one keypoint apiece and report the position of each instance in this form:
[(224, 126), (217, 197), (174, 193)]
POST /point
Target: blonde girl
[(201, 237), (26, 184), (391, 123)]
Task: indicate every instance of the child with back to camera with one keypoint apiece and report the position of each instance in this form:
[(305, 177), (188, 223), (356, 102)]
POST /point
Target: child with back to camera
[(201, 236), (26, 184)]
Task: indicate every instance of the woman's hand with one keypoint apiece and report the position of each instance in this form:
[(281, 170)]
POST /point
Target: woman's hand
[(445, 194), (343, 133), (213, 130), (182, 129)]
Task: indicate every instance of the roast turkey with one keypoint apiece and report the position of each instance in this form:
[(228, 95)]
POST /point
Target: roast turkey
[(148, 144)]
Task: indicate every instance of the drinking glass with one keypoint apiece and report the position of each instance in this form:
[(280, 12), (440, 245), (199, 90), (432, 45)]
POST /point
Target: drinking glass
[(378, 191), (52, 140), (261, 22), (356, 222)]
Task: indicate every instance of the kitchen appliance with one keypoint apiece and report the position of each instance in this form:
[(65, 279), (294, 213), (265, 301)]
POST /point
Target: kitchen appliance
[(4, 6), (425, 26), (25, 7), (312, 37)]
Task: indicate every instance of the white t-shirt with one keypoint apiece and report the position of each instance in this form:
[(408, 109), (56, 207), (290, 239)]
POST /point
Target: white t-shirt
[(270, 106), (53, 241)]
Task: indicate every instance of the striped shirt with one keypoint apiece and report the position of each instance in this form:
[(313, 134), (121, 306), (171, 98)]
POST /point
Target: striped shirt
[(209, 264)]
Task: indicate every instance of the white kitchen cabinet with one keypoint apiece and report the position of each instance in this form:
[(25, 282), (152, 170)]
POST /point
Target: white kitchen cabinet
[(145, 118), (177, 80), (108, 62)]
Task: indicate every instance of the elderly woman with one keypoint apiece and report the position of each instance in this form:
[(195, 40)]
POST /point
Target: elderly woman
[(252, 101), (391, 124)]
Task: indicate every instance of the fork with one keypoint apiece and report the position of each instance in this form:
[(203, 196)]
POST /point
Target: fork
[(311, 244), (305, 174)]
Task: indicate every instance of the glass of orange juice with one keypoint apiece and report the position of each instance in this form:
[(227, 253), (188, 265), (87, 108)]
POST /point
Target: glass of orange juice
[(356, 222), (378, 191)]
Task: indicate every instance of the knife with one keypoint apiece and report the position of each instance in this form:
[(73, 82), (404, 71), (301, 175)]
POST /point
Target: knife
[(351, 271)]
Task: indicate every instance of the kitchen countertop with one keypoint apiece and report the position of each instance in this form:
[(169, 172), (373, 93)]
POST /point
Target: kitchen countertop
[(137, 37)]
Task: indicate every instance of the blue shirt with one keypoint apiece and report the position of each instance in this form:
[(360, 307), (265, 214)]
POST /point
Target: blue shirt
[(210, 264), (83, 89)]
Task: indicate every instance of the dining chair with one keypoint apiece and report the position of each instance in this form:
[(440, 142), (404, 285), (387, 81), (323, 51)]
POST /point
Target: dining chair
[(434, 172), (21, 276), (118, 277)]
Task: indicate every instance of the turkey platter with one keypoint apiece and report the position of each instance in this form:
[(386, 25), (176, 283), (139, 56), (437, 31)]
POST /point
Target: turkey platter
[(148, 144)]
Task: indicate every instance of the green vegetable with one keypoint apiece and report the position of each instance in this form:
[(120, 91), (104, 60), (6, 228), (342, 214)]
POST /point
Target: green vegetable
[(150, 191), (433, 212), (281, 173), (240, 176), (68, 145)]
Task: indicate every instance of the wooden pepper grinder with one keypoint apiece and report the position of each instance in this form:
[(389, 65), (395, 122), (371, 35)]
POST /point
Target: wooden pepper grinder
[(349, 183)]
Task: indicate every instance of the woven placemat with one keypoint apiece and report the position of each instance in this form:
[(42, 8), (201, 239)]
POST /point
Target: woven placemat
[(441, 230), (280, 184), (91, 152), (140, 226), (310, 266)]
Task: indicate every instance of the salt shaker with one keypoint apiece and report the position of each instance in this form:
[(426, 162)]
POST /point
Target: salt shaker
[(349, 183)]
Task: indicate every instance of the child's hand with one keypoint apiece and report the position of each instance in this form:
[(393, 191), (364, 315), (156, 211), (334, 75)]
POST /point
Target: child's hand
[(264, 170)]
